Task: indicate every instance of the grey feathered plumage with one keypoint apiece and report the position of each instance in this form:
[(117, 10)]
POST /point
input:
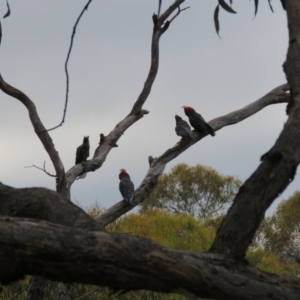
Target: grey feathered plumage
[(182, 128), (126, 187)]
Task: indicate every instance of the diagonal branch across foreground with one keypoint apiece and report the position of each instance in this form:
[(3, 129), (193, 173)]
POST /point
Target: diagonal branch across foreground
[(157, 165), (123, 262)]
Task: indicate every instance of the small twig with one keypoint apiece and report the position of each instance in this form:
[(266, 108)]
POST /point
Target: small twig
[(66, 65), (91, 292), (178, 12), (44, 169), (159, 7), (17, 294)]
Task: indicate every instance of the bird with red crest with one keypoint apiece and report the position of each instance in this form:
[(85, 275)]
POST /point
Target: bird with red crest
[(126, 187), (197, 121)]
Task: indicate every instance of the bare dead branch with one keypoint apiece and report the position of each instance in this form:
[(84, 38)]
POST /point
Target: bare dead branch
[(43, 204), (178, 12), (277, 95), (158, 29), (66, 65), (278, 167), (159, 7), (137, 111), (124, 262), (44, 137), (170, 10), (44, 169)]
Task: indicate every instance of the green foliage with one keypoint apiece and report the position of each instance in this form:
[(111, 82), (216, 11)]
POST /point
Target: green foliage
[(198, 191), (272, 263), (94, 210), (173, 231), (280, 233), (16, 290)]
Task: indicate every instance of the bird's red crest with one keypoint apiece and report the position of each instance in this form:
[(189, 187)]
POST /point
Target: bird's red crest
[(122, 173), (187, 110)]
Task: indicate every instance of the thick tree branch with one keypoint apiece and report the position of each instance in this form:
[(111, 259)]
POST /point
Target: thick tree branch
[(278, 95), (41, 133), (279, 164), (129, 263), (157, 165), (43, 204), (137, 111)]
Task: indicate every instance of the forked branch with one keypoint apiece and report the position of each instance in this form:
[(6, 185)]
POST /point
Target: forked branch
[(157, 165), (137, 112), (42, 169), (41, 132)]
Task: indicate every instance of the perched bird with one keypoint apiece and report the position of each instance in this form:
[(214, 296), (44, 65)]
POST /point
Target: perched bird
[(126, 187), (197, 121), (83, 151), (182, 128)]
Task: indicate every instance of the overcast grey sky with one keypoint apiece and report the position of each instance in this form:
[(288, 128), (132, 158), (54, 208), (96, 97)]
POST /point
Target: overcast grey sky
[(108, 66)]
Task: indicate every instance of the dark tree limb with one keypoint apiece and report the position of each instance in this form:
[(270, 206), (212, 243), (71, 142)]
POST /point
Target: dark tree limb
[(157, 165), (124, 262), (44, 204), (278, 167)]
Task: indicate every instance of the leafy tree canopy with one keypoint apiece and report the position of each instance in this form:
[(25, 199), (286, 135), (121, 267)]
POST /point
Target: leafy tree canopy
[(198, 191)]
